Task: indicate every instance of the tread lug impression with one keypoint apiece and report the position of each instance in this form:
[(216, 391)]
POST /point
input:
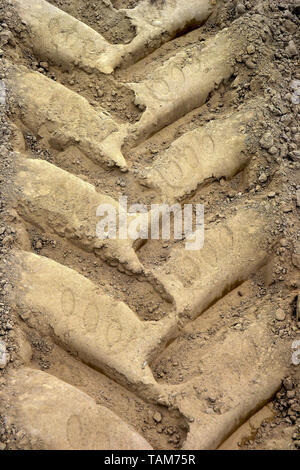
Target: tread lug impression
[(240, 390), (64, 40), (61, 203), (58, 416), (63, 118), (209, 152), (185, 81), (232, 251), (86, 320)]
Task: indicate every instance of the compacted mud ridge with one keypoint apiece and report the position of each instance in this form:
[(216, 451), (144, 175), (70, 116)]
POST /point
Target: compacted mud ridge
[(123, 344)]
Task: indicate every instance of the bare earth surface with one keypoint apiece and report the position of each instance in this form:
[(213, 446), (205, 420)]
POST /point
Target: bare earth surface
[(123, 344)]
